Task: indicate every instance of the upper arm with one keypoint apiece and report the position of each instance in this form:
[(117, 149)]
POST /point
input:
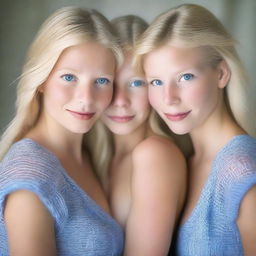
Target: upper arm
[(29, 225), (158, 189), (247, 221)]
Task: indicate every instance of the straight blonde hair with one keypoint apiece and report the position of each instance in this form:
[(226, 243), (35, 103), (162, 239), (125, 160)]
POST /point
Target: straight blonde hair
[(66, 27), (190, 26)]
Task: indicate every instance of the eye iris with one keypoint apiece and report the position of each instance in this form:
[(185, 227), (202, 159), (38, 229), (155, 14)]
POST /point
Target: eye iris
[(157, 82), (68, 77), (137, 83), (187, 76), (101, 80)]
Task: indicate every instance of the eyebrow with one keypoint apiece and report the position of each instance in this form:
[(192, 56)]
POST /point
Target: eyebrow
[(76, 71)]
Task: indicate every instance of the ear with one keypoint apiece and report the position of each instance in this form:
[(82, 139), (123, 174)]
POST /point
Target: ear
[(223, 74)]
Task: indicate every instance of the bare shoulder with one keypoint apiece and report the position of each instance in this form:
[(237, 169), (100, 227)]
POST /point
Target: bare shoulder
[(31, 232), (160, 149)]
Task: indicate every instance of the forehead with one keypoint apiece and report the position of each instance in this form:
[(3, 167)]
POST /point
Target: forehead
[(180, 58), (86, 55)]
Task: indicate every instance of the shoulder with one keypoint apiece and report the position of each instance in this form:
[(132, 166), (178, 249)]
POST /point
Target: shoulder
[(157, 147), (239, 156), (158, 155), (28, 159), (29, 167)]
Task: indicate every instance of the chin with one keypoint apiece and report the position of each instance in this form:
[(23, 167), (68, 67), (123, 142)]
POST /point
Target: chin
[(179, 130), (80, 130)]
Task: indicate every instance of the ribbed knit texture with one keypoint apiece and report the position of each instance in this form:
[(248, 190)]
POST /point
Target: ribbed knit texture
[(81, 226), (211, 229)]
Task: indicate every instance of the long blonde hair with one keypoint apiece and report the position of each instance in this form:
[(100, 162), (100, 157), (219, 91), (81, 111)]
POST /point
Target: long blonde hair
[(66, 27), (191, 26)]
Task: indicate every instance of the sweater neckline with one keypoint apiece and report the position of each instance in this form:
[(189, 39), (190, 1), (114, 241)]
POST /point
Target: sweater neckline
[(207, 183), (83, 193)]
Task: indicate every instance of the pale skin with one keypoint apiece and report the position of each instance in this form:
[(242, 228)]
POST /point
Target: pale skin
[(81, 81), (179, 79), (147, 184)]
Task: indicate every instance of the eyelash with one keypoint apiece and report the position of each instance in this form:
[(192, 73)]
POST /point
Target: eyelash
[(73, 78), (153, 82), (182, 77), (99, 81)]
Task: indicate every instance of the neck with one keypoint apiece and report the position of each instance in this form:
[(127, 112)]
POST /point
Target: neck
[(214, 133), (59, 140), (125, 144)]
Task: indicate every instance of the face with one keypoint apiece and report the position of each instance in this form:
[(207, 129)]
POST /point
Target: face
[(79, 87), (130, 107), (184, 89)]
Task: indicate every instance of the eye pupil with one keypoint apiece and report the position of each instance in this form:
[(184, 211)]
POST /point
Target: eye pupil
[(68, 77), (187, 76), (157, 82), (102, 81)]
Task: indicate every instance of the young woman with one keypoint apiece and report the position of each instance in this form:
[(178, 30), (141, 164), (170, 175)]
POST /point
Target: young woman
[(145, 179), (198, 86), (50, 200)]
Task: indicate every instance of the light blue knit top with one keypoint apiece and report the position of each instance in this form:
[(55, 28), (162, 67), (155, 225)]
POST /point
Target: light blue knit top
[(211, 229), (81, 226)]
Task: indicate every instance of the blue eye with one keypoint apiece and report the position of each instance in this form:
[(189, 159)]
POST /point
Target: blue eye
[(68, 78), (156, 82), (101, 81), (137, 83), (187, 77)]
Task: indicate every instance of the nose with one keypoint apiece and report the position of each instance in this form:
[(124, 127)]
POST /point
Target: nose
[(120, 97), (171, 94), (85, 95)]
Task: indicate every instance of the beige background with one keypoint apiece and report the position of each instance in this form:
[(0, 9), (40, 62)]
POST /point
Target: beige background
[(20, 19)]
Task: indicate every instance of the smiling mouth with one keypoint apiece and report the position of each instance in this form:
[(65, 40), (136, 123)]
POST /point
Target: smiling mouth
[(178, 116), (121, 119), (81, 115)]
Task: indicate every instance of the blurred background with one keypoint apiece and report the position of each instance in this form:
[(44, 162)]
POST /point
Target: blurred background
[(20, 20)]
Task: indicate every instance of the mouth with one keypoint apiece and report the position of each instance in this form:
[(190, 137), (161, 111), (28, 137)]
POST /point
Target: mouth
[(178, 116), (121, 119), (81, 115)]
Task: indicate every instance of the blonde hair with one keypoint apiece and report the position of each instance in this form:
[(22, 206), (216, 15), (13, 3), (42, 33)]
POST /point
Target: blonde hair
[(128, 29), (66, 27), (191, 26)]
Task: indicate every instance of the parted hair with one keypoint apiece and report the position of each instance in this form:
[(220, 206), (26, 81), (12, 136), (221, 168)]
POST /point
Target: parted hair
[(190, 26), (66, 27)]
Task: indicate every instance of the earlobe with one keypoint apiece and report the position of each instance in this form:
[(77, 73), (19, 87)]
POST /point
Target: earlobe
[(224, 74)]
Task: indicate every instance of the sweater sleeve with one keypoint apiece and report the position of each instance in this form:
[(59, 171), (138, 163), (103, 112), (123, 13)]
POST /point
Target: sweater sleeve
[(34, 170), (242, 178)]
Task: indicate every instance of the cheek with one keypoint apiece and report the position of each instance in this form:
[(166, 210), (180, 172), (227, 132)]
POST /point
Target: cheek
[(140, 100), (154, 96), (57, 92), (104, 98)]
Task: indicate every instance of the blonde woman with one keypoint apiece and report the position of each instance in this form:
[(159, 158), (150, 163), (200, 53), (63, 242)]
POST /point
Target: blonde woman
[(198, 86), (50, 200), (145, 180)]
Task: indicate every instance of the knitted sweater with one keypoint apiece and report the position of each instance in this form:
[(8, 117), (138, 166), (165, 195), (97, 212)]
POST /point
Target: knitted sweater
[(81, 226), (211, 229)]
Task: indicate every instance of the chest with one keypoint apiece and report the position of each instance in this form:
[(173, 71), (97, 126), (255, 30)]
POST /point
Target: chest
[(120, 188), (198, 175), (85, 178), (87, 230)]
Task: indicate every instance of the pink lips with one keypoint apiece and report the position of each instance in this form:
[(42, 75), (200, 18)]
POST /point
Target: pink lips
[(121, 119), (178, 116), (81, 115)]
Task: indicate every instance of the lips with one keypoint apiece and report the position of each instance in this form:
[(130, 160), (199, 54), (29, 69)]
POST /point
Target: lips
[(81, 115), (178, 116), (121, 119)]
